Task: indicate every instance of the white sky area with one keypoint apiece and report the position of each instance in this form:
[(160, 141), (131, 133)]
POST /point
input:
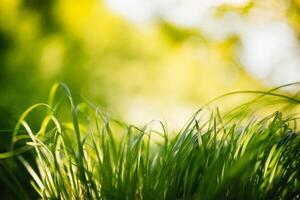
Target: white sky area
[(185, 12), (269, 50)]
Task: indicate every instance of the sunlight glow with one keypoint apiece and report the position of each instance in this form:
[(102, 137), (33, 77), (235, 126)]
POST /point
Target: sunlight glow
[(269, 47)]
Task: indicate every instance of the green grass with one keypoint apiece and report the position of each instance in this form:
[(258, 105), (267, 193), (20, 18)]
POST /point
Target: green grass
[(249, 152)]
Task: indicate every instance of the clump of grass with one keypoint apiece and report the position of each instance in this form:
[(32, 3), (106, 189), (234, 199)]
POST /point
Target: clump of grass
[(239, 154)]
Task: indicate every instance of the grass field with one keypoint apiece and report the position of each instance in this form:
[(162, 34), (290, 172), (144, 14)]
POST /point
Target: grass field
[(249, 152)]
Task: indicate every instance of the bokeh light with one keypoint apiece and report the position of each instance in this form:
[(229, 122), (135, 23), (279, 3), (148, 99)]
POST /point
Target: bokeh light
[(144, 60)]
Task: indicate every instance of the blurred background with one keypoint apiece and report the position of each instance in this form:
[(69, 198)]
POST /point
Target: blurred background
[(142, 59)]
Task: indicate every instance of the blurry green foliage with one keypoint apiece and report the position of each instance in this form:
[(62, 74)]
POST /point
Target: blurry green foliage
[(107, 59), (102, 56)]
